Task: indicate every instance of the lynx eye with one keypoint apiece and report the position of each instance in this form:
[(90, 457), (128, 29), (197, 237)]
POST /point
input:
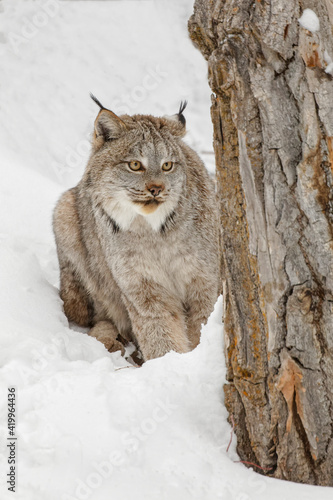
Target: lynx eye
[(135, 165), (167, 166)]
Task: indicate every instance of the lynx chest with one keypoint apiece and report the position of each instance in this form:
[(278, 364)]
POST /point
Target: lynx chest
[(170, 260)]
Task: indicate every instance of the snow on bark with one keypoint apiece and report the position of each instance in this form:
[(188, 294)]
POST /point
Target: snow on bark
[(269, 70), (309, 21)]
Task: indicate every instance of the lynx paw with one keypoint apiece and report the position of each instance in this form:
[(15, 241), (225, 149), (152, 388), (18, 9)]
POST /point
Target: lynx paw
[(105, 332), (113, 345)]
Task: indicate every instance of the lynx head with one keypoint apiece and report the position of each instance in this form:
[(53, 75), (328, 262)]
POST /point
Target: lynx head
[(137, 168)]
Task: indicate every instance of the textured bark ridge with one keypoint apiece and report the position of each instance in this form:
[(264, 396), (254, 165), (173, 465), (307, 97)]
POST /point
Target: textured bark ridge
[(272, 110)]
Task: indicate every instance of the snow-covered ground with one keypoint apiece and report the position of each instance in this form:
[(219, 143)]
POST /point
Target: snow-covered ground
[(89, 425)]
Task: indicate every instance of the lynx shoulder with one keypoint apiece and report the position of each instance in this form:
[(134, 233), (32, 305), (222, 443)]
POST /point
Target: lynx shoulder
[(137, 238)]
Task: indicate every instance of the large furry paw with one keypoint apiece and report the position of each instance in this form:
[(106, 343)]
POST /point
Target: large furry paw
[(113, 345), (106, 332)]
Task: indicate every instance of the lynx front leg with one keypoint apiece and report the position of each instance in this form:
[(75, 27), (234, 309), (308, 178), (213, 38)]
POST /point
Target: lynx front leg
[(106, 332), (201, 298), (157, 320)]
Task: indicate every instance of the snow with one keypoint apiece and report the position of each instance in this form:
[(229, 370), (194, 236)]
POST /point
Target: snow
[(90, 425), (309, 20), (329, 69), (329, 62)]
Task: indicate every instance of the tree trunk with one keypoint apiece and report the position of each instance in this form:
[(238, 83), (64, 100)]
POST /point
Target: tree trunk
[(272, 111)]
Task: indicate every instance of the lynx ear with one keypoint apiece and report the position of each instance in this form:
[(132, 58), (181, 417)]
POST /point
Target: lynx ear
[(177, 122), (108, 125)]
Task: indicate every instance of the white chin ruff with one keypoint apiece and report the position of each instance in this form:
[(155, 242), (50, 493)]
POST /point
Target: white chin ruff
[(124, 212), (157, 218)]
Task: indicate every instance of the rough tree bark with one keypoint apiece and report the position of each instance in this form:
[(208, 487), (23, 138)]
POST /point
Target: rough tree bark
[(272, 111)]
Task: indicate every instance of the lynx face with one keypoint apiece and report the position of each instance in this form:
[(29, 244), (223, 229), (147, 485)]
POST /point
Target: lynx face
[(141, 170)]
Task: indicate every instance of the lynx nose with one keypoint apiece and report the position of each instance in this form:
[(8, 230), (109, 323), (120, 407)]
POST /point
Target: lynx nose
[(155, 189)]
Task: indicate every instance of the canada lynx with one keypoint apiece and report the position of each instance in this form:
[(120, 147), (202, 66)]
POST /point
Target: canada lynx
[(137, 238)]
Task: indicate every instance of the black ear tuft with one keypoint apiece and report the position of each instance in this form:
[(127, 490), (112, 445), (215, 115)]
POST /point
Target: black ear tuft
[(181, 117), (182, 107), (96, 101)]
